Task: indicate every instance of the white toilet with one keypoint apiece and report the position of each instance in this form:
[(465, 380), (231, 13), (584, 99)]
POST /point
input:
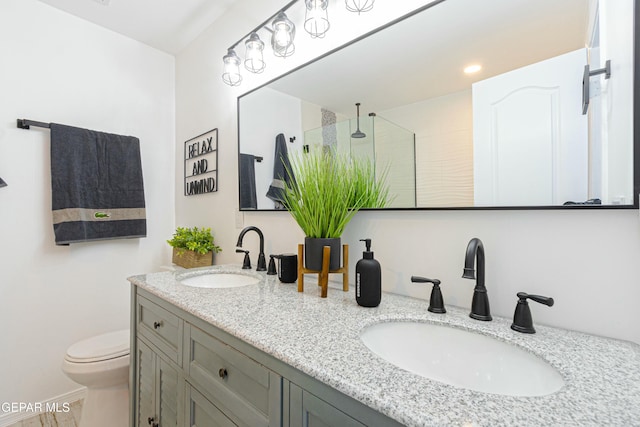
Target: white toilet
[(101, 363)]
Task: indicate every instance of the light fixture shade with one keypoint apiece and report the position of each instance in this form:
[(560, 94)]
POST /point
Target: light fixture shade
[(231, 69), (253, 59), (316, 19), (359, 5), (282, 37)]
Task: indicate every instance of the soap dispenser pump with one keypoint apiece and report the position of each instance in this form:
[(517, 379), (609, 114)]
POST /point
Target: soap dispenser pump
[(368, 278)]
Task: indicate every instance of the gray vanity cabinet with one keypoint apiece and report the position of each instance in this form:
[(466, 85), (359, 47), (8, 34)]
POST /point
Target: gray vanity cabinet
[(189, 373)]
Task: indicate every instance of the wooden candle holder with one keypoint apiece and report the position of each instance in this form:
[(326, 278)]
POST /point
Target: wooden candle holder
[(323, 275)]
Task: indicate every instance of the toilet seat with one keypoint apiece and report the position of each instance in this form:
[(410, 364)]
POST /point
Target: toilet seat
[(103, 347)]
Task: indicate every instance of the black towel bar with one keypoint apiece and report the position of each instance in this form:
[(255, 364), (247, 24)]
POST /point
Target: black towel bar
[(26, 124)]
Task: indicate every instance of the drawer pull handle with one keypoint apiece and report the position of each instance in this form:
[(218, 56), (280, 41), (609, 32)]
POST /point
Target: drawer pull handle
[(222, 373), (156, 325)]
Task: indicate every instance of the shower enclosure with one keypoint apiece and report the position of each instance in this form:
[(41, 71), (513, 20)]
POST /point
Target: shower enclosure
[(388, 145)]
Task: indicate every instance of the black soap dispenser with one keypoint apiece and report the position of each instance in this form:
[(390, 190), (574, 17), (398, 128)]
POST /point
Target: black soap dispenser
[(368, 279)]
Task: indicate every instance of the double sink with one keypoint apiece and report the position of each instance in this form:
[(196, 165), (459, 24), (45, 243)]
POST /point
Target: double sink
[(454, 356)]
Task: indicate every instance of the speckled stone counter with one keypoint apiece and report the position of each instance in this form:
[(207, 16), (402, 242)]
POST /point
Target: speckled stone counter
[(320, 337)]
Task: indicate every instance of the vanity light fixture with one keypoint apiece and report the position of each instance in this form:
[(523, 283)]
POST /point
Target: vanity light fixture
[(231, 69), (253, 59), (282, 34), (359, 6), (283, 31), (316, 19), (282, 37)]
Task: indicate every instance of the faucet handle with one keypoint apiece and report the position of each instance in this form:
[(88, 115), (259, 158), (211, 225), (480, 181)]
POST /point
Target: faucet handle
[(420, 279), (271, 270), (246, 264), (537, 298), (436, 302), (522, 320)]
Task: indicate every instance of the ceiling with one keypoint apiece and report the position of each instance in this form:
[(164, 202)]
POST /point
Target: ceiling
[(423, 56), (168, 25)]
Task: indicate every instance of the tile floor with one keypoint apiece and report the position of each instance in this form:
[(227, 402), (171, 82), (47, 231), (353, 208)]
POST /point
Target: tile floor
[(54, 419)]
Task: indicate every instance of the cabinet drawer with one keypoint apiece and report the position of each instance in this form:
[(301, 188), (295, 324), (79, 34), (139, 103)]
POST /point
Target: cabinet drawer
[(248, 392), (161, 327)]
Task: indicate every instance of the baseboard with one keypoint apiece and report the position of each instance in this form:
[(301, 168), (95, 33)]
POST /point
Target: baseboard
[(14, 417)]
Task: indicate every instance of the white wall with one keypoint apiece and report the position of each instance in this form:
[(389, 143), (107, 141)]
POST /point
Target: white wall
[(586, 260), (57, 68)]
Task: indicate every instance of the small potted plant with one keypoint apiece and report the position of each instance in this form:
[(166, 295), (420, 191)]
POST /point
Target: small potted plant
[(325, 190), (193, 247)]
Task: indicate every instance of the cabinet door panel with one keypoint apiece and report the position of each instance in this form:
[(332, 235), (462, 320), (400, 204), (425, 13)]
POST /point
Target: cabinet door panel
[(203, 413), (307, 410), (146, 380), (168, 393)]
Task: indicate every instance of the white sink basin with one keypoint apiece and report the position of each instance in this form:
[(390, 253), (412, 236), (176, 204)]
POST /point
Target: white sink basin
[(220, 280), (462, 358)]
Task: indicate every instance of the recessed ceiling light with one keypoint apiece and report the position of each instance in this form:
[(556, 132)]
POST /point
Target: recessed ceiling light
[(103, 2), (472, 68)]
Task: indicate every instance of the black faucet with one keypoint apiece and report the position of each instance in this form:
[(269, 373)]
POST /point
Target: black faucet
[(480, 302), (262, 262)]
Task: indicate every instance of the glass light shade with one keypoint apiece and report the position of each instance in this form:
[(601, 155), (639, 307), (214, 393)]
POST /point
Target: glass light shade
[(316, 19), (359, 5), (231, 69), (282, 37), (253, 59)]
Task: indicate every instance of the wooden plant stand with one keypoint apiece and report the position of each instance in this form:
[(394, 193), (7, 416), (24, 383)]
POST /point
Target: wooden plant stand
[(323, 275)]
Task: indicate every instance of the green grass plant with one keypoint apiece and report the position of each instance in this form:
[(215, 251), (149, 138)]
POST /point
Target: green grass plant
[(328, 188)]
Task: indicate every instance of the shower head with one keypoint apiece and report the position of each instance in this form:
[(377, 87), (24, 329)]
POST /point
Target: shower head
[(358, 133), (2, 183)]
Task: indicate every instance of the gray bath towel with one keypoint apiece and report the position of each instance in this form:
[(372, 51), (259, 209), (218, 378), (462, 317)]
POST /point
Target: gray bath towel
[(248, 198), (96, 186), (281, 177)]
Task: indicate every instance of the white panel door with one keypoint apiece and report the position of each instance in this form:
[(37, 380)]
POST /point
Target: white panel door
[(529, 135)]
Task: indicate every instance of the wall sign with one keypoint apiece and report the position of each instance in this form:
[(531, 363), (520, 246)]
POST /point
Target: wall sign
[(201, 164)]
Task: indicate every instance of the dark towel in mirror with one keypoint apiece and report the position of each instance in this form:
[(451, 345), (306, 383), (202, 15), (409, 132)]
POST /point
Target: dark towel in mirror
[(96, 186), (281, 177), (248, 199), (588, 202)]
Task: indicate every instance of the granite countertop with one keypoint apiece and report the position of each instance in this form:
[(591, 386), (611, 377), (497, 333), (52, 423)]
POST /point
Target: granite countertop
[(320, 337)]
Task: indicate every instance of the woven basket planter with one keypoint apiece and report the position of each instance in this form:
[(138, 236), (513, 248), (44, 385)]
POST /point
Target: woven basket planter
[(191, 259)]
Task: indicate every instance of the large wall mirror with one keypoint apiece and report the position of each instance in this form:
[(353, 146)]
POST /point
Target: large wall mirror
[(528, 127)]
